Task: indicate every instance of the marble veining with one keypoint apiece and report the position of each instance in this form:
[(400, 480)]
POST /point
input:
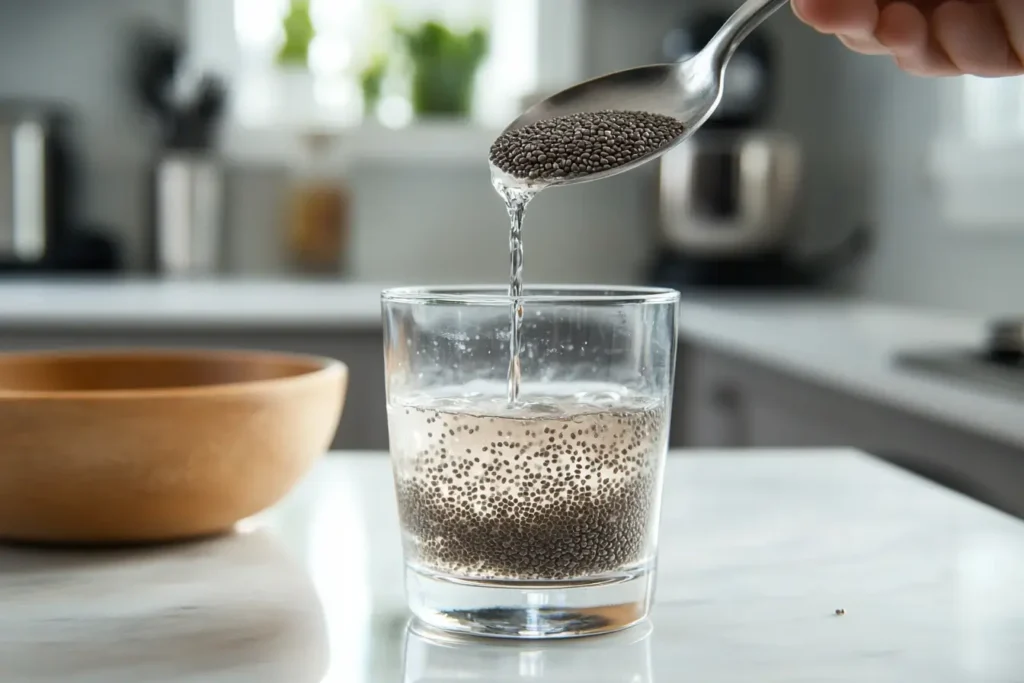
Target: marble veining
[(758, 552)]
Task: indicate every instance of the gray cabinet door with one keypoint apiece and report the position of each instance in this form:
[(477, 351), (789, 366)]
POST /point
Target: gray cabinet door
[(724, 403), (727, 402)]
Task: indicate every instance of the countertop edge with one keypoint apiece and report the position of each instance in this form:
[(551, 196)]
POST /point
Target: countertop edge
[(891, 390)]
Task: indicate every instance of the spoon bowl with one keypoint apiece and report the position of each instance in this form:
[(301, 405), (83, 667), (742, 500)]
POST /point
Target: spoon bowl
[(689, 91), (683, 91)]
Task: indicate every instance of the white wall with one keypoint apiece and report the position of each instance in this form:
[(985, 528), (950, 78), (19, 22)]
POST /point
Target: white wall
[(920, 258), (445, 225)]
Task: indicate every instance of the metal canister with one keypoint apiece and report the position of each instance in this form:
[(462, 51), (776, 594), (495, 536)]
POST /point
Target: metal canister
[(188, 215)]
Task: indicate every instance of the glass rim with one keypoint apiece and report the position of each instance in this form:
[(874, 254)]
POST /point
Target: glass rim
[(497, 295)]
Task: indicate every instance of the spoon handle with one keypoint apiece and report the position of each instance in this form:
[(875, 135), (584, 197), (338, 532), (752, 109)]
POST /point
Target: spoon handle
[(740, 25)]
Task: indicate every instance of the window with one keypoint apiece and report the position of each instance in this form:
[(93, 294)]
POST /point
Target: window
[(992, 109), (977, 161), (239, 38)]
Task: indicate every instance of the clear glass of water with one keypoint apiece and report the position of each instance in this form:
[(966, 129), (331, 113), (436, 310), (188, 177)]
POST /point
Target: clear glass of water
[(536, 516)]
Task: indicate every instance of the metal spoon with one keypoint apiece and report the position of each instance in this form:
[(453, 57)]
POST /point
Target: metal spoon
[(688, 91)]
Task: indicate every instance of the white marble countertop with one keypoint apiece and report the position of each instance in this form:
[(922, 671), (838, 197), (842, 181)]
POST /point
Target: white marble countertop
[(758, 551), (166, 304)]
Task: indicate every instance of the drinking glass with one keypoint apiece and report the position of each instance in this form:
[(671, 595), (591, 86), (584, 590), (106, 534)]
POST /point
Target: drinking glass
[(536, 517)]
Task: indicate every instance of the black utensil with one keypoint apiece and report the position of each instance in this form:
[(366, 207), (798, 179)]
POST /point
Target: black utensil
[(208, 108), (194, 126), (155, 58)]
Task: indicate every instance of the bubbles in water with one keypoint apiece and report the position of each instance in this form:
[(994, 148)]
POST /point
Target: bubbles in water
[(561, 485), (483, 397)]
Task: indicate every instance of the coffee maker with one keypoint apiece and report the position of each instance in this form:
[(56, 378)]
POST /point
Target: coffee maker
[(729, 196), (39, 233)]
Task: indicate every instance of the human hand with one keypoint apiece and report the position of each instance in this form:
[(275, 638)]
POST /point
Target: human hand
[(928, 37)]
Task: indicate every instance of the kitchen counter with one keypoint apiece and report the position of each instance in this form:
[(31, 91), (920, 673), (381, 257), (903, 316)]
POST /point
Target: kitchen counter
[(758, 552), (216, 304), (842, 344), (851, 347)]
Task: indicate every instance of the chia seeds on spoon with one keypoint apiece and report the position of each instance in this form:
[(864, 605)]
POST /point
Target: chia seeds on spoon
[(582, 144)]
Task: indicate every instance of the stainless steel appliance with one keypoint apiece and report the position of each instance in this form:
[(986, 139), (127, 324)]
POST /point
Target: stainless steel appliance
[(730, 196), (726, 193), (34, 184), (39, 232), (729, 215), (998, 365)]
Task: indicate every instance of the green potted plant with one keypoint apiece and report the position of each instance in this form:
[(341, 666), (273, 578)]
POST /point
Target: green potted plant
[(299, 32), (444, 66), (371, 79)]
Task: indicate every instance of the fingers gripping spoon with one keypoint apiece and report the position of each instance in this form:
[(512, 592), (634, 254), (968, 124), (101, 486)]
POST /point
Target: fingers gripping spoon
[(688, 92)]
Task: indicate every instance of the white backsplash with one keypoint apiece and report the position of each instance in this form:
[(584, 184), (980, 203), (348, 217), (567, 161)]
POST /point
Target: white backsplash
[(437, 225)]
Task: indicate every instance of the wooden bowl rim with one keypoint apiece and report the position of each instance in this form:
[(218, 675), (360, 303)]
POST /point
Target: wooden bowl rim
[(318, 366)]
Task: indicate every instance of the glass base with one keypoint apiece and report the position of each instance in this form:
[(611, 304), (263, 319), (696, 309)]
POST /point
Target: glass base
[(517, 609)]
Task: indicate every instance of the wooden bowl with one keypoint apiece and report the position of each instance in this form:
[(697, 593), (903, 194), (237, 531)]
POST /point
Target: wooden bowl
[(146, 446)]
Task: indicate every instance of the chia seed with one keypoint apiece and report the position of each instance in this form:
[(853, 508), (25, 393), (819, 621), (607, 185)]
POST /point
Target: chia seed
[(551, 498), (582, 144)]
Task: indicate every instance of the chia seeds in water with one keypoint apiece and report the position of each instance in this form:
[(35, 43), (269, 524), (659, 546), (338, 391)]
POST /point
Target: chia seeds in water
[(581, 144), (559, 492)]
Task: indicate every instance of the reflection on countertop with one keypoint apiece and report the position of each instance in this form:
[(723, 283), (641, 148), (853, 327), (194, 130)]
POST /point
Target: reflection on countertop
[(238, 604), (432, 656)]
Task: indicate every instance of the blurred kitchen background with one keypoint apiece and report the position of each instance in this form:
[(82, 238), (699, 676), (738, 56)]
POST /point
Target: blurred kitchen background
[(252, 172)]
